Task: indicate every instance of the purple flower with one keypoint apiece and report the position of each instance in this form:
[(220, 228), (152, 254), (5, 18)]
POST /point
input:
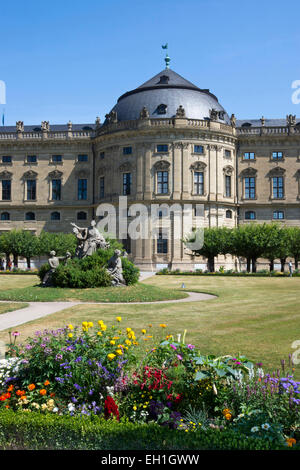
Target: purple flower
[(190, 346), (179, 357), (173, 346)]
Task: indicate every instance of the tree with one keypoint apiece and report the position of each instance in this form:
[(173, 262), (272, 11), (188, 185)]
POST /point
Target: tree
[(30, 246), (249, 241), (215, 242), (12, 243), (59, 242), (293, 235), (273, 241)]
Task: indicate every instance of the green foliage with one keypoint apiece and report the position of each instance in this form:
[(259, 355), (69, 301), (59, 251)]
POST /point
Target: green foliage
[(131, 273), (34, 431)]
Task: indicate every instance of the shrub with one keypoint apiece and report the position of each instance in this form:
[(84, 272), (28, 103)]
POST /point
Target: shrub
[(131, 273)]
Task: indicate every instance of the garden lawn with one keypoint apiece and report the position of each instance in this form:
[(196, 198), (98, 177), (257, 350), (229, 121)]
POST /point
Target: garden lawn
[(258, 317), (16, 288), (10, 307)]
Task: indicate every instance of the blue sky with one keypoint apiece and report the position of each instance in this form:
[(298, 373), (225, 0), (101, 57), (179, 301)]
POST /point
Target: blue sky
[(71, 60)]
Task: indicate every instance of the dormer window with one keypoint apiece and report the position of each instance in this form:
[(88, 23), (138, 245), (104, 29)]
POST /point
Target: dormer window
[(161, 109), (246, 124), (163, 80), (221, 115)]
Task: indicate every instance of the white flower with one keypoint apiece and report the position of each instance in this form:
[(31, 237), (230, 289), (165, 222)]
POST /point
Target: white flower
[(55, 410), (110, 391), (178, 337), (265, 426), (254, 429), (71, 407), (260, 373)]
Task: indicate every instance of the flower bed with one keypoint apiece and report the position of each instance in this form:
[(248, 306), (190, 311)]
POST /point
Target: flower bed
[(118, 376), (230, 272)]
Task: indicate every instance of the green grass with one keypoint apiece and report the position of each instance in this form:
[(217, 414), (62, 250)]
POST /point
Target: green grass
[(29, 290), (258, 317), (10, 307)]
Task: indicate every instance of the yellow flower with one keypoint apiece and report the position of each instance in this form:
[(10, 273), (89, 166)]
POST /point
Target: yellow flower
[(149, 336), (112, 342), (119, 318), (128, 330), (90, 324), (119, 352), (71, 327), (128, 342), (111, 356), (99, 333), (70, 335), (162, 325), (103, 327), (143, 331), (135, 408), (100, 322), (85, 323), (116, 337)]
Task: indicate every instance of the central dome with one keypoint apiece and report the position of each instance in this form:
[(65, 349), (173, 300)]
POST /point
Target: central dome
[(163, 94)]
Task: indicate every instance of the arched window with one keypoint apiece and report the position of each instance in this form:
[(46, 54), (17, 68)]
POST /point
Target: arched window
[(55, 215), (250, 215), (228, 214), (81, 215), (30, 216), (5, 216), (246, 124)]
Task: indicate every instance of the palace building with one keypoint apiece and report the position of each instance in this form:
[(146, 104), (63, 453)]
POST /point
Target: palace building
[(165, 142)]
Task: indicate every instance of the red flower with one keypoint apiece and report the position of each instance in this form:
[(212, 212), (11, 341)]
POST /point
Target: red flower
[(111, 408)]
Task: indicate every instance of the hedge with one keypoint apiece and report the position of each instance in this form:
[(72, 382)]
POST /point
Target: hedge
[(35, 431), (164, 272)]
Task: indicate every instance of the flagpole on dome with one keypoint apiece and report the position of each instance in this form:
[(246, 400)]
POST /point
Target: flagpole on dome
[(167, 58), (3, 117)]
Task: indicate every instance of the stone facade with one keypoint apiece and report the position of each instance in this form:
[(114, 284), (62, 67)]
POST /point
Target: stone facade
[(53, 175)]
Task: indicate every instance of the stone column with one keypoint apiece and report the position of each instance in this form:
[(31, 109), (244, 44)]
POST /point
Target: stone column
[(147, 172), (176, 170), (186, 173)]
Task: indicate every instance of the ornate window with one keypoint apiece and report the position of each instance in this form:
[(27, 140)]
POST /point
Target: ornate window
[(228, 214), (228, 171), (55, 215), (56, 189), (6, 190), (227, 153), (250, 215), (249, 183), (162, 177), (30, 216), (5, 216), (161, 109), (199, 182), (276, 176)]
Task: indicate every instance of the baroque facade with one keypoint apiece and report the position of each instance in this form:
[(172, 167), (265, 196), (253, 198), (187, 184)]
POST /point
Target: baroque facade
[(165, 142)]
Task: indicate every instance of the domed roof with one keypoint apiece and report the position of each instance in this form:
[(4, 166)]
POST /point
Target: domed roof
[(163, 94)]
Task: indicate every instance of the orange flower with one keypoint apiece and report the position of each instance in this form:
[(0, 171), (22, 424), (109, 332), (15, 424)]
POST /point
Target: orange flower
[(52, 394), (31, 387), (20, 392), (228, 416), (6, 406), (23, 397), (291, 441), (46, 383), (10, 388), (43, 391)]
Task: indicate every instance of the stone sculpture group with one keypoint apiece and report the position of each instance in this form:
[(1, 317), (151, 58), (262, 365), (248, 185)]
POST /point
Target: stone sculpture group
[(89, 240)]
